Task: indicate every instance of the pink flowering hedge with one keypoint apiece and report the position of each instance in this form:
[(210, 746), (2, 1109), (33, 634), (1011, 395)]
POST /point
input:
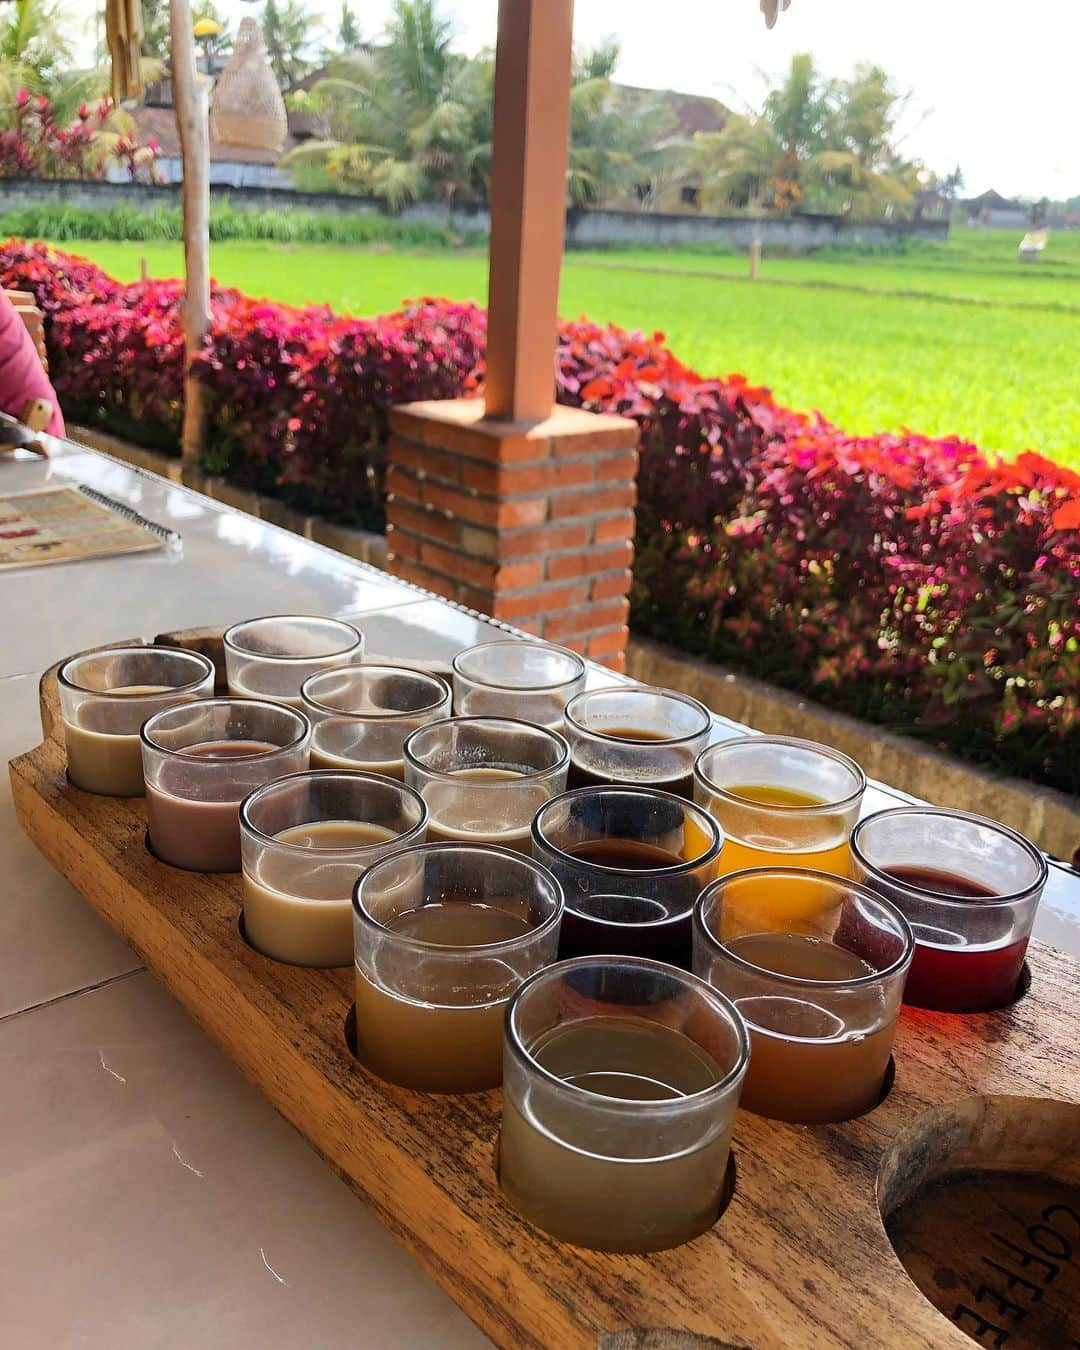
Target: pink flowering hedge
[(912, 581)]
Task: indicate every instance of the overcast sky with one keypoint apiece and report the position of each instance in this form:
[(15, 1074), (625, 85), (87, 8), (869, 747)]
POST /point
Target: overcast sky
[(995, 83)]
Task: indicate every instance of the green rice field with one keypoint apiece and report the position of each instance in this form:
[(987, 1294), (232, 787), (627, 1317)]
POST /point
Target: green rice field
[(957, 338)]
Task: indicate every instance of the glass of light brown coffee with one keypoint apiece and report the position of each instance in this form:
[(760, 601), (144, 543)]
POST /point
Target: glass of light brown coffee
[(636, 735), (304, 840), (816, 965), (106, 696), (362, 715), (484, 778), (444, 934), (271, 657), (620, 1084)]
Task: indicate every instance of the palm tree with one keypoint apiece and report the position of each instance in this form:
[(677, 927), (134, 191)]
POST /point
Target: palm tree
[(34, 47), (404, 120), (826, 144), (286, 26)]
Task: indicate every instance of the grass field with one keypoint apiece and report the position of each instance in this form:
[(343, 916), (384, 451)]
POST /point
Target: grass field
[(956, 338)]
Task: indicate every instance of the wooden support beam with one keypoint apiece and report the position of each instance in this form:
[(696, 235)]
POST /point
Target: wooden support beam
[(528, 204), (189, 96)]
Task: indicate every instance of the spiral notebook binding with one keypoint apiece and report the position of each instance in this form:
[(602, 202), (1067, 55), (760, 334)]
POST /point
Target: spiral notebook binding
[(129, 513)]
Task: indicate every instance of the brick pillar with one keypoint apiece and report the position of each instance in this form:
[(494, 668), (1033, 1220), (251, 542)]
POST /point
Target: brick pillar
[(531, 522)]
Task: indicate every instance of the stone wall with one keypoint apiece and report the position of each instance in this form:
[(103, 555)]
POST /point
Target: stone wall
[(584, 229)]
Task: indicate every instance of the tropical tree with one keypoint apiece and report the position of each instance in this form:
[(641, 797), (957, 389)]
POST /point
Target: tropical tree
[(826, 144), (35, 47), (408, 119), (348, 31), (615, 137), (286, 27)]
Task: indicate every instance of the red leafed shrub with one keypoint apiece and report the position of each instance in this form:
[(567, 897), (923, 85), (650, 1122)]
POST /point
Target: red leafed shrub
[(903, 579), (300, 399), (911, 581), (34, 144)]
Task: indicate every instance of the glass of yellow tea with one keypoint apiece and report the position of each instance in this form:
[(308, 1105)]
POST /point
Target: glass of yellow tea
[(361, 715), (821, 997), (636, 735), (106, 696), (620, 1083), (631, 862), (781, 802), (271, 657), (444, 935), (484, 778), (513, 678), (304, 840)]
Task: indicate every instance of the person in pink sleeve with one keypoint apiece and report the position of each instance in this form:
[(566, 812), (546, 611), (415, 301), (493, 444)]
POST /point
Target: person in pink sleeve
[(22, 377)]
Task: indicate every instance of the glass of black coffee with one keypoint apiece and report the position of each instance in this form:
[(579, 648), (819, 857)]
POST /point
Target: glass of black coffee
[(631, 862)]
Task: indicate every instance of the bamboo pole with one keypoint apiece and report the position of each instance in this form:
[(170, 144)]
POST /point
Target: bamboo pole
[(528, 204), (189, 97)]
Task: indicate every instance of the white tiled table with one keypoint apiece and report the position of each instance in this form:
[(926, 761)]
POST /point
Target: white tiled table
[(149, 1197)]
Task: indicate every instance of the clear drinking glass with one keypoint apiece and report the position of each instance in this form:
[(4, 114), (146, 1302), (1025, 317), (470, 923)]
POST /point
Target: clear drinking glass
[(444, 934), (484, 778), (631, 862), (968, 886), (820, 994), (620, 1083), (200, 761), (304, 840), (781, 802), (361, 715), (105, 697), (530, 680), (636, 735), (270, 658)]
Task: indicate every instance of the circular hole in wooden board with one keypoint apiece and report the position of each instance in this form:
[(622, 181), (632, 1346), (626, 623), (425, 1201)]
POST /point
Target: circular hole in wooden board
[(981, 1202)]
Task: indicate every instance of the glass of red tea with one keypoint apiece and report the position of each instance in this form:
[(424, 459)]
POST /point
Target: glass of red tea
[(820, 993), (968, 886), (620, 1083), (636, 735), (631, 862)]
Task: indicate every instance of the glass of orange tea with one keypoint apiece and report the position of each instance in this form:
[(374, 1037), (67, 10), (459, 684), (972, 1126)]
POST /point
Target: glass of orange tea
[(637, 735), (781, 802), (820, 993), (444, 935), (484, 778)]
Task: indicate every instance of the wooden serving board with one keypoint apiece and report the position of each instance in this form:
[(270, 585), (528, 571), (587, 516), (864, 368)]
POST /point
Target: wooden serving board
[(800, 1258)]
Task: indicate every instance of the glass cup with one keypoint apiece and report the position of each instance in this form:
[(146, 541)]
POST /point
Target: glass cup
[(511, 678), (620, 1082), (361, 715), (444, 934), (271, 658), (200, 761), (636, 735), (631, 862), (820, 994), (781, 802), (968, 886), (304, 840), (484, 778), (106, 696)]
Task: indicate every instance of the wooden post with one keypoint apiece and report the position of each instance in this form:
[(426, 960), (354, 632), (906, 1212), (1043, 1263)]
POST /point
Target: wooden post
[(528, 204), (189, 96)]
